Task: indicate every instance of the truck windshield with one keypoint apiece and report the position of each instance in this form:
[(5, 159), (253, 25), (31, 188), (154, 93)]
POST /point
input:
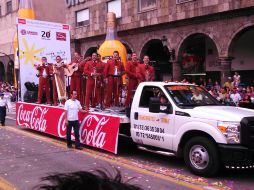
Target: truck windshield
[(187, 96)]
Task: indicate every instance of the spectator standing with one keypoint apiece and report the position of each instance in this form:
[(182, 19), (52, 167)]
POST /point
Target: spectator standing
[(8, 96), (236, 79), (217, 86), (235, 96), (209, 84), (3, 107), (246, 102), (222, 95), (228, 101), (228, 84)]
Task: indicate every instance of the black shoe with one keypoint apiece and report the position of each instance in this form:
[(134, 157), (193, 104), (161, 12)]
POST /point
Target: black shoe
[(69, 146), (79, 148)]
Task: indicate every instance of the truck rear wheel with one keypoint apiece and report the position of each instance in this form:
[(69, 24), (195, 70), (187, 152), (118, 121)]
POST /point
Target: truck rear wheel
[(201, 156)]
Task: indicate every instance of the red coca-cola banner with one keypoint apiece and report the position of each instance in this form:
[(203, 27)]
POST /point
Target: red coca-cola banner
[(99, 131)]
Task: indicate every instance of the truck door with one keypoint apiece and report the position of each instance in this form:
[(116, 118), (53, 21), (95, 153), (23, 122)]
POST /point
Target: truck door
[(154, 129)]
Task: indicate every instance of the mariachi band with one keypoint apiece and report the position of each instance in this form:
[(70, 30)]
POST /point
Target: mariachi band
[(98, 84)]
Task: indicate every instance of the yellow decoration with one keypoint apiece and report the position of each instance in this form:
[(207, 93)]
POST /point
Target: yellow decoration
[(111, 43), (109, 46), (29, 54), (25, 11)]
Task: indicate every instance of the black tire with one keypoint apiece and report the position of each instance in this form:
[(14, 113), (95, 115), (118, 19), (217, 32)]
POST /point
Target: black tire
[(205, 157)]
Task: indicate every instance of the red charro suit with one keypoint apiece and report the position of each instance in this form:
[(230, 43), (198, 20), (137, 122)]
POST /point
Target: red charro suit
[(94, 72), (145, 72), (76, 77), (82, 82), (44, 73), (131, 71), (114, 80)]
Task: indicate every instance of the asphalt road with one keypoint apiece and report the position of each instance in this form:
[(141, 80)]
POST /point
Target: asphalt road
[(26, 156)]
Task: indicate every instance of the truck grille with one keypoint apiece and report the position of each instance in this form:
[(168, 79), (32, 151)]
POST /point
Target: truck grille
[(247, 132)]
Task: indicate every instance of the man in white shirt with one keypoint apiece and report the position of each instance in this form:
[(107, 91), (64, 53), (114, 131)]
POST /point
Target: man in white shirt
[(72, 107), (235, 96), (3, 106), (237, 79)]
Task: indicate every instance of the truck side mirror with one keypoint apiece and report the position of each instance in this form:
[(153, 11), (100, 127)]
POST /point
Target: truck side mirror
[(154, 105)]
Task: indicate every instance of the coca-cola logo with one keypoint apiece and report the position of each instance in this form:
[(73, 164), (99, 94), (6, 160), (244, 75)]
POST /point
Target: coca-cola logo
[(33, 119), (91, 130), (61, 36)]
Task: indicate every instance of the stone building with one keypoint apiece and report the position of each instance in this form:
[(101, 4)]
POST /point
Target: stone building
[(184, 38), (46, 10)]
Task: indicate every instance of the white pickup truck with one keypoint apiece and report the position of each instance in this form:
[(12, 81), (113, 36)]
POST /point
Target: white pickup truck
[(193, 125)]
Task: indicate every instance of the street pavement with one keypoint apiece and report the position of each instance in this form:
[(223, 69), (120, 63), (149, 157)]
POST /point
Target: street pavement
[(26, 156)]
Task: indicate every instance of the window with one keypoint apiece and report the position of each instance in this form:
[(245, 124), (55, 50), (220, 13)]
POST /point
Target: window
[(82, 17), (115, 7), (147, 93), (144, 5), (8, 7), (182, 1)]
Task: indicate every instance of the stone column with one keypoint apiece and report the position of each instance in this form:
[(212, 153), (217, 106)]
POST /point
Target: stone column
[(76, 46), (176, 70), (225, 64)]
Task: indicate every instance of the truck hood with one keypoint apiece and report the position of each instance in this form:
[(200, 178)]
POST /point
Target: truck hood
[(220, 113)]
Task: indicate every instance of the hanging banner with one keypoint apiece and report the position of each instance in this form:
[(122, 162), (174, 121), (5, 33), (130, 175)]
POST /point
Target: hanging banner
[(37, 39), (99, 131)]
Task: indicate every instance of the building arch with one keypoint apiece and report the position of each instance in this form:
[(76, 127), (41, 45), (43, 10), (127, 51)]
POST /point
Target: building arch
[(236, 35), (149, 38), (198, 32), (10, 72), (197, 55), (159, 58), (240, 50), (2, 71), (128, 48), (89, 51)]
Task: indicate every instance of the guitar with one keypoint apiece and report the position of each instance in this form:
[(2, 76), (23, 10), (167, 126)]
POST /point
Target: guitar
[(70, 69)]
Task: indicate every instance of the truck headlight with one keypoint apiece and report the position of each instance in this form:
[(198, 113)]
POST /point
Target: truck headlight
[(231, 130)]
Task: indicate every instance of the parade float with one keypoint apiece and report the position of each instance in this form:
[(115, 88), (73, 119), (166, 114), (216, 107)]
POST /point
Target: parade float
[(37, 39)]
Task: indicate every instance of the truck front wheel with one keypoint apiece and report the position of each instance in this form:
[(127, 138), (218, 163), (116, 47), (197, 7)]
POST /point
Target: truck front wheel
[(201, 156)]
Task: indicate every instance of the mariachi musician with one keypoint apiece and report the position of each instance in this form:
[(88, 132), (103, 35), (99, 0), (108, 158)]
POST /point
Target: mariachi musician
[(75, 71), (43, 74), (131, 68), (59, 89), (83, 80), (114, 70), (94, 72), (145, 72)]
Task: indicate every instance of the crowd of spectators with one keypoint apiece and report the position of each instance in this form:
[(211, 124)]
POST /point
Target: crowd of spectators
[(233, 92), (9, 92)]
